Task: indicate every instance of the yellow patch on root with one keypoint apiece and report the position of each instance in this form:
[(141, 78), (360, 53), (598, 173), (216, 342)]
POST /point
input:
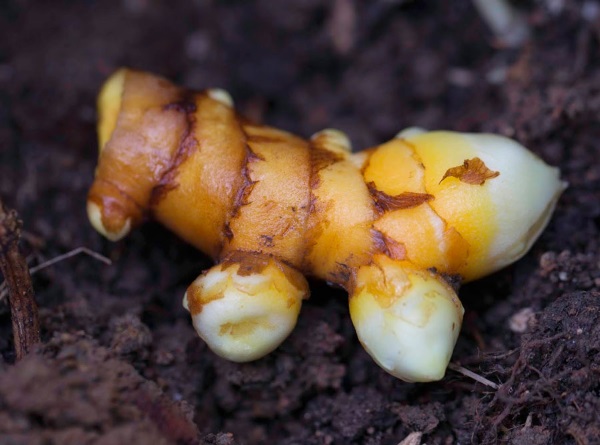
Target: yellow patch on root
[(466, 207)]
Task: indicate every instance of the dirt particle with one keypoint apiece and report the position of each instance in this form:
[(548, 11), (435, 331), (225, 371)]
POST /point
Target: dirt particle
[(522, 320)]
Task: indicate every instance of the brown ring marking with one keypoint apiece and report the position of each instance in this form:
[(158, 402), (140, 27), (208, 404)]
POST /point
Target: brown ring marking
[(187, 146), (319, 158), (245, 189)]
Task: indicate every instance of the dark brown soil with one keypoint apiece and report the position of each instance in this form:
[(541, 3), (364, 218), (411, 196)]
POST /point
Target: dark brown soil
[(120, 362)]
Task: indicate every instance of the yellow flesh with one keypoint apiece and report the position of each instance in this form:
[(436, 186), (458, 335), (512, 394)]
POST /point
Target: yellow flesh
[(109, 104)]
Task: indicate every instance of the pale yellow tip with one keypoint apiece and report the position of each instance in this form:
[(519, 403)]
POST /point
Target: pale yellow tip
[(524, 195), (407, 320), (95, 216), (333, 140), (221, 96), (410, 132), (244, 317), (109, 105)]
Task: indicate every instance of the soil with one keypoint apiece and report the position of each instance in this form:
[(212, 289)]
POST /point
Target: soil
[(120, 362)]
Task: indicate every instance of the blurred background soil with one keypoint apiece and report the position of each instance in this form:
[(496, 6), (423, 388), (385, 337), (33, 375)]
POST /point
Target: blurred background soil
[(120, 362)]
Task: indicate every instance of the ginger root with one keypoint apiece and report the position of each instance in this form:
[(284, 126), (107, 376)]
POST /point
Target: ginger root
[(388, 224)]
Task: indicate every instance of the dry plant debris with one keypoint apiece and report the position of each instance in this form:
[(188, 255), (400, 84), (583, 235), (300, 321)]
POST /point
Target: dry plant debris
[(24, 311)]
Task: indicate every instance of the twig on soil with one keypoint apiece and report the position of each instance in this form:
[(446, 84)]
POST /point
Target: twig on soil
[(70, 254), (472, 375), (58, 259), (24, 311)]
